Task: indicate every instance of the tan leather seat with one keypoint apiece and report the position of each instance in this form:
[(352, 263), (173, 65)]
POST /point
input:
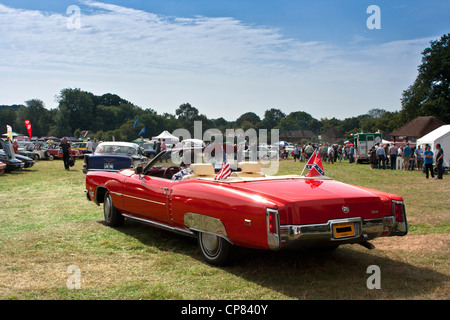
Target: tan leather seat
[(201, 170), (250, 169)]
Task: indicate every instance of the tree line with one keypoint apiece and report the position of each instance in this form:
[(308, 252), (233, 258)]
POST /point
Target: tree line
[(109, 115)]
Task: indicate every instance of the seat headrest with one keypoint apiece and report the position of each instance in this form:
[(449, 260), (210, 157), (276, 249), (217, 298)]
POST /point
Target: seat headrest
[(202, 169), (250, 167)]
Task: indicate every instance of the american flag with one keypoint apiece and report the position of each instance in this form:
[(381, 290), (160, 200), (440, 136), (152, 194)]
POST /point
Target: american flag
[(225, 171)]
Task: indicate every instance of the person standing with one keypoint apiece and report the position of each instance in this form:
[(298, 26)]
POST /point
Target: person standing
[(419, 158), (158, 146), (330, 155), (94, 145), (372, 157), (163, 148), (296, 153), (89, 145), (309, 150), (393, 151), (16, 147), (65, 147), (351, 154), (439, 161), (428, 161), (381, 155), (406, 156)]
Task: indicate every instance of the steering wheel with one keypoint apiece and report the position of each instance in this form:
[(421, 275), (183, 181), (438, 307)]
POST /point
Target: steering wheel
[(170, 171)]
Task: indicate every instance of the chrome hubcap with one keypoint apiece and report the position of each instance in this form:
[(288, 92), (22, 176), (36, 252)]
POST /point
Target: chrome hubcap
[(210, 243), (107, 208)]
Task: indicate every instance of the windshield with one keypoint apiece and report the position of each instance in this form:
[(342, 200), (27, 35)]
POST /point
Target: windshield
[(79, 145), (149, 146), (8, 149), (116, 149)]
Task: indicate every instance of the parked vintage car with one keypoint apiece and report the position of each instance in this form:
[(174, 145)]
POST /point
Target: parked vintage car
[(40, 150), (114, 156), (27, 162), (56, 152), (149, 149), (82, 146), (8, 157), (22, 150), (2, 167), (247, 209)]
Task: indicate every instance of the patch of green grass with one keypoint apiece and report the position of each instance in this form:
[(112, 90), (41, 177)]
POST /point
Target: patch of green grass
[(47, 225)]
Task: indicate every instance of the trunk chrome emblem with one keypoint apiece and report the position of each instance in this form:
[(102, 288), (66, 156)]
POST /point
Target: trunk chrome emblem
[(345, 209)]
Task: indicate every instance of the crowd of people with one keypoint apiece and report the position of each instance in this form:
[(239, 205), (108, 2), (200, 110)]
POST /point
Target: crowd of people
[(384, 156), (328, 153), (408, 158)]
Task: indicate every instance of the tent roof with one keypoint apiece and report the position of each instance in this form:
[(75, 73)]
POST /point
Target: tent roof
[(166, 135), (435, 134)]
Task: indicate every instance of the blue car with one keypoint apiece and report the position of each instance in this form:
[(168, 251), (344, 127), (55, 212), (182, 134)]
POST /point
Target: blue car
[(114, 156)]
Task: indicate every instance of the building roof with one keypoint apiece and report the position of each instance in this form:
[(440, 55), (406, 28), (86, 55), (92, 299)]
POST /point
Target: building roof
[(296, 134), (418, 127)]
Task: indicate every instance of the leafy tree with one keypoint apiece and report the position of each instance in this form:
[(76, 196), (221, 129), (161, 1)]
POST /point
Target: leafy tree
[(429, 95), (78, 108), (299, 120), (248, 120), (272, 118)]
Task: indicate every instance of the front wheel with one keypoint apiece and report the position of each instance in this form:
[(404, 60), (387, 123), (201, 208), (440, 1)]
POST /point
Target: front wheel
[(113, 217), (215, 250)]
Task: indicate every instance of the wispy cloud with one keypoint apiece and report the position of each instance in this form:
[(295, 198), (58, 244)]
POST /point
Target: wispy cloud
[(201, 56)]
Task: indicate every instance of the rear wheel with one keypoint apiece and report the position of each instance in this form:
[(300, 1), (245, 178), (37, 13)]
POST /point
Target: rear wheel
[(113, 217), (215, 250)]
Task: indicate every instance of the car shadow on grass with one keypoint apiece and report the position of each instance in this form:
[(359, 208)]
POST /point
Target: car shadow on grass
[(345, 273)]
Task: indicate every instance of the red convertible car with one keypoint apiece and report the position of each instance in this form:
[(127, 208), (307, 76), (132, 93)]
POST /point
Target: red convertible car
[(247, 209)]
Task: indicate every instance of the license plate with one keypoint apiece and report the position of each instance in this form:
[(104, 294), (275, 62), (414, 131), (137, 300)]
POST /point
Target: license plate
[(343, 230), (109, 166)]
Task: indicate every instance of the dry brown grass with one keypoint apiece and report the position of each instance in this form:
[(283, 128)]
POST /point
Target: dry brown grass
[(40, 239)]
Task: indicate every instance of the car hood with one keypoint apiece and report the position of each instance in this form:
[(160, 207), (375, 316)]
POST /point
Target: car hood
[(307, 201)]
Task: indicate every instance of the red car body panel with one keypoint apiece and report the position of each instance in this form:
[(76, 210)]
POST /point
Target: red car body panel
[(304, 206)]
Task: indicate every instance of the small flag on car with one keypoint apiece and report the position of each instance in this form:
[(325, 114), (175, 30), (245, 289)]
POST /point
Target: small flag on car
[(317, 167), (225, 171)]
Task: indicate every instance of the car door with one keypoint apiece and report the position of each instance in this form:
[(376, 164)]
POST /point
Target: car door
[(146, 197)]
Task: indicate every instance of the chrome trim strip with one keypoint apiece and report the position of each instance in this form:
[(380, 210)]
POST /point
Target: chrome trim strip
[(132, 197), (203, 223), (159, 225)]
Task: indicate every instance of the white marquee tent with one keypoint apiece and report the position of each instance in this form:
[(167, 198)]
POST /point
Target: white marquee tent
[(440, 135), (170, 138)]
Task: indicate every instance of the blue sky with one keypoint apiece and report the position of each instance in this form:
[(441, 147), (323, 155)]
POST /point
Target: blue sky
[(223, 57)]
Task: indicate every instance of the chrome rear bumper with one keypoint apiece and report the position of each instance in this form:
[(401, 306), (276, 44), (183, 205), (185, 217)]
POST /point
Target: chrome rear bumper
[(363, 230)]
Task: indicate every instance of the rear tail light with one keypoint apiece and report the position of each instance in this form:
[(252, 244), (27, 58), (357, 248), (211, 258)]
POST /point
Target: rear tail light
[(272, 222), (398, 210), (273, 227)]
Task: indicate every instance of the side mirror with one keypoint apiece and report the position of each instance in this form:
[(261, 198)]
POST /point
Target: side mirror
[(138, 170)]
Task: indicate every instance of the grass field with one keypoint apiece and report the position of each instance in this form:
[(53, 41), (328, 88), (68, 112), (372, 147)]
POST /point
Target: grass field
[(47, 225)]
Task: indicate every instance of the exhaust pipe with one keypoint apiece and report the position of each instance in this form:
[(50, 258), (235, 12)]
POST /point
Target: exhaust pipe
[(366, 244)]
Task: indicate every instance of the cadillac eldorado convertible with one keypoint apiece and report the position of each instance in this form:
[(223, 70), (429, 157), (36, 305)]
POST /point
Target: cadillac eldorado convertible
[(247, 209)]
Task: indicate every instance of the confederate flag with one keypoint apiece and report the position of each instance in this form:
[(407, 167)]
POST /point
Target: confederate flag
[(310, 162), (317, 167)]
